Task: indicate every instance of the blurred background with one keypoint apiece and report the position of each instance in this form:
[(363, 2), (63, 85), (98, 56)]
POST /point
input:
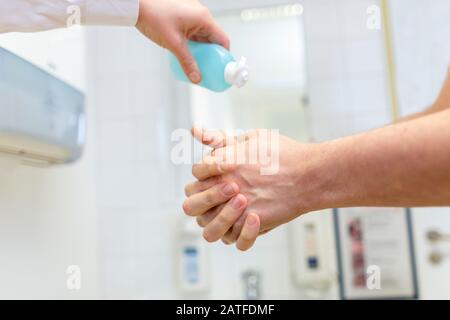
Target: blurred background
[(319, 70)]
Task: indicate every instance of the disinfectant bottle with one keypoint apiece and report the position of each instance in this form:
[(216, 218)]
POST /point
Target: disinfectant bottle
[(217, 66)]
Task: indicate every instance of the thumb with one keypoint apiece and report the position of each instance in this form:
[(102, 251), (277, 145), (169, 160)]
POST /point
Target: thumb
[(187, 61)]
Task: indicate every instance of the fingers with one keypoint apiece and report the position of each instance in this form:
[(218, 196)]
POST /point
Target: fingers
[(233, 234), (202, 202), (219, 36), (187, 61), (209, 168), (217, 228), (212, 138), (199, 186), (209, 216), (219, 139), (209, 31), (249, 233), (181, 50)]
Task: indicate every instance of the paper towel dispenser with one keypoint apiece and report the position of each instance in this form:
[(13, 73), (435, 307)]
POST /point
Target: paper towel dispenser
[(42, 118)]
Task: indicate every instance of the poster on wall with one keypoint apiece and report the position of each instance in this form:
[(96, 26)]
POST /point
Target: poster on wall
[(375, 253)]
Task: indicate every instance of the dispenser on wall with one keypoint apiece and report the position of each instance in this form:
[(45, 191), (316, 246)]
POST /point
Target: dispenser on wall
[(42, 119), (192, 259), (311, 251)]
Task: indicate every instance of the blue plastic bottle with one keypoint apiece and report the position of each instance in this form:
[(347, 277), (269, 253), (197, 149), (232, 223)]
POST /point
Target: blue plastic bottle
[(217, 66)]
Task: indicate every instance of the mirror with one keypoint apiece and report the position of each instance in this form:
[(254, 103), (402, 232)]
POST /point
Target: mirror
[(276, 97)]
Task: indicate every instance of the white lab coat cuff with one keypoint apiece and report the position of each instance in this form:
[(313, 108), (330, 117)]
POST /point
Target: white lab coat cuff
[(111, 12)]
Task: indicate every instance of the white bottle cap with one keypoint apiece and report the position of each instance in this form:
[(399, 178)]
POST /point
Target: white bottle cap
[(237, 73)]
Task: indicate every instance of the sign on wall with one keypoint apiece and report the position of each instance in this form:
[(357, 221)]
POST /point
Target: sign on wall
[(375, 253)]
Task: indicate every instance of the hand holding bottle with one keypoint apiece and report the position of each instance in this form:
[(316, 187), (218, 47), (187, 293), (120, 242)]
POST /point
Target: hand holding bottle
[(171, 23)]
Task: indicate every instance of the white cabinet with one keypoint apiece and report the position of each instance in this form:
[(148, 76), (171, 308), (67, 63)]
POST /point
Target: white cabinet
[(61, 52)]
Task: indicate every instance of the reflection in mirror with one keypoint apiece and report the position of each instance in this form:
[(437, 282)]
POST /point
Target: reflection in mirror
[(272, 39)]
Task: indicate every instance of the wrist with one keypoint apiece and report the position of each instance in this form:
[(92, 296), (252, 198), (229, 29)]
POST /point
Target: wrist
[(323, 178)]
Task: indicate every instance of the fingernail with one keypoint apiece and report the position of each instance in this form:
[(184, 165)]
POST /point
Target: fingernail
[(251, 220), (194, 77), (237, 203), (228, 190)]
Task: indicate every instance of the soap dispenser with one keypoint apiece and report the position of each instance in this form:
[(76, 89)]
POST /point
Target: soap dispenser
[(218, 68)]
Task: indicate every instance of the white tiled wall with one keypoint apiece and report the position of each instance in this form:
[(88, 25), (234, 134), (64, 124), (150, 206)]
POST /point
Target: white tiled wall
[(421, 34), (137, 198), (140, 192), (346, 68)]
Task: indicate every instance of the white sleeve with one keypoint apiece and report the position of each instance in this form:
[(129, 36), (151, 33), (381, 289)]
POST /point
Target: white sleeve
[(39, 15)]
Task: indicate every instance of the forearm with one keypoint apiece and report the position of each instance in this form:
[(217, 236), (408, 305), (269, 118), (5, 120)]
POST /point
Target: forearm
[(39, 15), (406, 165)]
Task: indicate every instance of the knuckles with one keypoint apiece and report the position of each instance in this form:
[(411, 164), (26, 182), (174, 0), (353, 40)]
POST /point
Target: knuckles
[(210, 197), (224, 219)]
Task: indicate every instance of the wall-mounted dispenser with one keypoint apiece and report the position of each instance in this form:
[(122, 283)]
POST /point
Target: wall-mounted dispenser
[(252, 285), (191, 252), (42, 119), (311, 248)]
